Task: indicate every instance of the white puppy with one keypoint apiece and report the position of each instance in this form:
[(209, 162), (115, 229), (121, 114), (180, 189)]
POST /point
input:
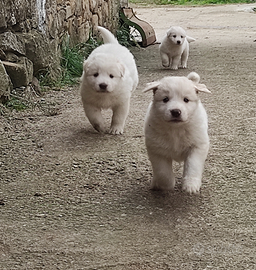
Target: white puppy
[(176, 129), (109, 77), (175, 48)]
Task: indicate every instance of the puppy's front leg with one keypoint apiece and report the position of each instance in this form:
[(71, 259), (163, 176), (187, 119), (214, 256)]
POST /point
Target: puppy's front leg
[(163, 177), (95, 117), (175, 62), (165, 60), (120, 114), (193, 169), (184, 59)]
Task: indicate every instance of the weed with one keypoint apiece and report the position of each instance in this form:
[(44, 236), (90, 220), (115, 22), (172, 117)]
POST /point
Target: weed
[(71, 60), (16, 103), (123, 35), (73, 57)]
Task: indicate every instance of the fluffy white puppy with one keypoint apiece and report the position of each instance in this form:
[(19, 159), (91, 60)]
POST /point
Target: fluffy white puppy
[(174, 49), (109, 78), (176, 129)]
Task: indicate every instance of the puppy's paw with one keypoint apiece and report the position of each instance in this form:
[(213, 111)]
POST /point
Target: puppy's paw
[(165, 65), (162, 185), (191, 185), (183, 66), (116, 130), (174, 67), (162, 188), (99, 127)]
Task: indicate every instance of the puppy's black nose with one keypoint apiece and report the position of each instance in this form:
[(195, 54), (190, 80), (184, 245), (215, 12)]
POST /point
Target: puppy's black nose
[(103, 86), (178, 42), (176, 113)]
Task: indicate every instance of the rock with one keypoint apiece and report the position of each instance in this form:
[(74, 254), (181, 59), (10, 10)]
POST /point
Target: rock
[(12, 57), (21, 73), (36, 86), (42, 52), (5, 83), (9, 42), (2, 55), (3, 23)]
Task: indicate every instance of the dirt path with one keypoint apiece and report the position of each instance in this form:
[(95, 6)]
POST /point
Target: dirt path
[(73, 199)]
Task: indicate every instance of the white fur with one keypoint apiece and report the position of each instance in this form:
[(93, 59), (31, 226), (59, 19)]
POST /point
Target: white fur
[(174, 49), (176, 129), (109, 78)]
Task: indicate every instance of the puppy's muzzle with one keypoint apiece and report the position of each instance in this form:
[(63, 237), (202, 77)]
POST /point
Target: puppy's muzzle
[(103, 87), (178, 42), (176, 113)]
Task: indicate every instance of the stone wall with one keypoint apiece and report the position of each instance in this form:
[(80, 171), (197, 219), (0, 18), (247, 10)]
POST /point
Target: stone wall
[(80, 17), (31, 32)]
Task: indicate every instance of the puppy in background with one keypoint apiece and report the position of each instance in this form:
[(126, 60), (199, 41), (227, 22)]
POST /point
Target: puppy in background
[(176, 130), (109, 78), (174, 49)]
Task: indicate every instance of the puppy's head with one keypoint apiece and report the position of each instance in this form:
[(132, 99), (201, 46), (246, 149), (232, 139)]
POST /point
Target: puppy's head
[(176, 98), (176, 35), (103, 72)]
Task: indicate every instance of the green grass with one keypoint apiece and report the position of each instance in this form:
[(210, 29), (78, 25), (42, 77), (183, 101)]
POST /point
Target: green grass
[(189, 2), (73, 57), (123, 35), (14, 103)]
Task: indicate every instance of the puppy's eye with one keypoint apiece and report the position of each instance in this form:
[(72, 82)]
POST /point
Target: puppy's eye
[(96, 74), (111, 76), (186, 100), (166, 99), (174, 36), (181, 36)]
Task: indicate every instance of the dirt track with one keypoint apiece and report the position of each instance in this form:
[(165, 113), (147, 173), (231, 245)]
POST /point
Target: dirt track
[(74, 199)]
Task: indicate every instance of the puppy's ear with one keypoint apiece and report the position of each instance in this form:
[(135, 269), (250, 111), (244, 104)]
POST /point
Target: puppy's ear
[(121, 68), (86, 66), (190, 39), (169, 32), (194, 77), (202, 88), (151, 86)]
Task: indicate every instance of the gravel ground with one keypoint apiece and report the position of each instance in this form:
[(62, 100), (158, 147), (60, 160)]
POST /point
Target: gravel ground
[(71, 198)]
